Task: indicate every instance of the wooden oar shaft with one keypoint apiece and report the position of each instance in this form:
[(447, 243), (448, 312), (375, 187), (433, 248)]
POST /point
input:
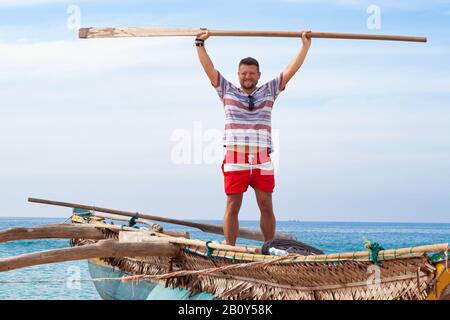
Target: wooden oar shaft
[(211, 228), (101, 249), (123, 213), (167, 32)]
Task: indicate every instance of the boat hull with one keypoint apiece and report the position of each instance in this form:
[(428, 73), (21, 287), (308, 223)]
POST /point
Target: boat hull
[(135, 290)]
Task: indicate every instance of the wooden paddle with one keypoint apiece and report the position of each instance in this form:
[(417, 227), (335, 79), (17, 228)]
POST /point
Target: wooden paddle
[(164, 32), (210, 228)]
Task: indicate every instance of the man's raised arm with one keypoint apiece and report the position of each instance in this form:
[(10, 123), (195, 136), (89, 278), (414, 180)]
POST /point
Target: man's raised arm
[(205, 60), (297, 62)]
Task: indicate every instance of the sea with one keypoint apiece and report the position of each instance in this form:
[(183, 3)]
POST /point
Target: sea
[(56, 281)]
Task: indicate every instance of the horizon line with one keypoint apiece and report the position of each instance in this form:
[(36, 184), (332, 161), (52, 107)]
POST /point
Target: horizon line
[(280, 220)]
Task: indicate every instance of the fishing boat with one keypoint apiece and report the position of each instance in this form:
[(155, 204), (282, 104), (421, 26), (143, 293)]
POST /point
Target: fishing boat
[(135, 258)]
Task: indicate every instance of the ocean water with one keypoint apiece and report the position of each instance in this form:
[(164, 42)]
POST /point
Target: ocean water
[(53, 281)]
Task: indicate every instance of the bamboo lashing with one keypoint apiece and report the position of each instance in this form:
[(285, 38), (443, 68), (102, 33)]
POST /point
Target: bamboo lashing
[(210, 228), (86, 33)]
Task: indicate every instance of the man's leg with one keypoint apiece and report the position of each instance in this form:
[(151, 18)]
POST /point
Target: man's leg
[(230, 221), (267, 222)]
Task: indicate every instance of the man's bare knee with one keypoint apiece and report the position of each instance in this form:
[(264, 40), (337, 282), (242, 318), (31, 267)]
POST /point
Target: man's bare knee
[(265, 206), (234, 204)]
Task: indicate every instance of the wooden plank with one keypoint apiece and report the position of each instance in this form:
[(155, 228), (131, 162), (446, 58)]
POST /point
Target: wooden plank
[(101, 249), (85, 33), (62, 231)]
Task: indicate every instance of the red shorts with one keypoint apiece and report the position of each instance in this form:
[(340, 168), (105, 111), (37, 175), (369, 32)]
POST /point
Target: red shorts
[(241, 170)]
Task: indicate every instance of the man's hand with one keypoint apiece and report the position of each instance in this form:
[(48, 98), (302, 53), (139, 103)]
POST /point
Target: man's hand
[(305, 39), (204, 35)]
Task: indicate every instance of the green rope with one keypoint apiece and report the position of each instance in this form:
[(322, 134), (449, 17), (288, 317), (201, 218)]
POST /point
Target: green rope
[(374, 249), (437, 257), (132, 222), (233, 259), (208, 249)]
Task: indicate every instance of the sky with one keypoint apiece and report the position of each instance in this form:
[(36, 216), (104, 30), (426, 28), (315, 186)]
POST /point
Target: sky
[(362, 131)]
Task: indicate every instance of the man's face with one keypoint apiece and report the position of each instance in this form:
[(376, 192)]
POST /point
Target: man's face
[(248, 76)]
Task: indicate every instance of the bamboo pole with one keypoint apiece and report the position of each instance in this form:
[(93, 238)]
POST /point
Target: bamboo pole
[(51, 231), (205, 227), (101, 249), (213, 245), (85, 33), (391, 253)]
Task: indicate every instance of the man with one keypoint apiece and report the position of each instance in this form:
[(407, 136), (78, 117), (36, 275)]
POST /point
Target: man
[(247, 137)]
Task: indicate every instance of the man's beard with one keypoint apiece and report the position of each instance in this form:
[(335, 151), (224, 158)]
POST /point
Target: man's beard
[(253, 86)]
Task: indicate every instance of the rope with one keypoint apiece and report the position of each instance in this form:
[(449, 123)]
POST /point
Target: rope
[(66, 220), (374, 249), (132, 222), (55, 281), (58, 281), (209, 250), (163, 276), (202, 272)]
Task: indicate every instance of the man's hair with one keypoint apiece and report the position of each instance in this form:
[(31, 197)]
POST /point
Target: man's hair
[(249, 61)]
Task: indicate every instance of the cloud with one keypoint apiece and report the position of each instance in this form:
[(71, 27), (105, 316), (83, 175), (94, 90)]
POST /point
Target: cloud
[(29, 3), (81, 57), (78, 58), (93, 120)]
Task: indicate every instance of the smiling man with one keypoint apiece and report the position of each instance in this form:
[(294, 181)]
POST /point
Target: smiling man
[(247, 137)]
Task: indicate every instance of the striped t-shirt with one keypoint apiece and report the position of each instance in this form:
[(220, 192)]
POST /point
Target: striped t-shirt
[(243, 126)]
